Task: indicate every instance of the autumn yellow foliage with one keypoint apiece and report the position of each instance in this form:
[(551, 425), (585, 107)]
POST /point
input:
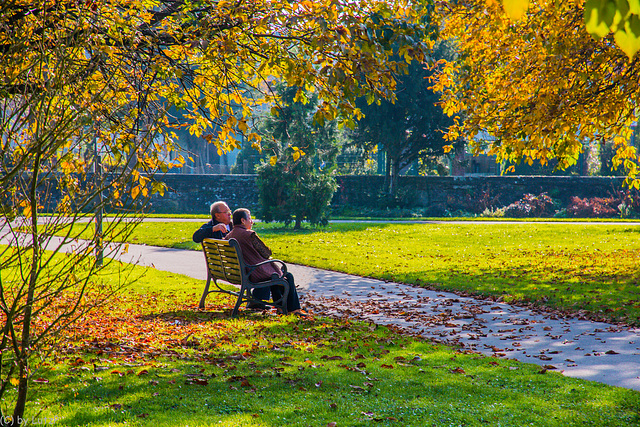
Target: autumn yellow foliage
[(539, 87)]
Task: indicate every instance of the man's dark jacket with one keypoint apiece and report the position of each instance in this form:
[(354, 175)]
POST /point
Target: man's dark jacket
[(206, 232)]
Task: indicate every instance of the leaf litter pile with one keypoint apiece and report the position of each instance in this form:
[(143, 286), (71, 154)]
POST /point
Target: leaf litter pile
[(156, 359)]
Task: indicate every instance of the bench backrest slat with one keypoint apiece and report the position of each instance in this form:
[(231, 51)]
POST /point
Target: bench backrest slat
[(223, 261)]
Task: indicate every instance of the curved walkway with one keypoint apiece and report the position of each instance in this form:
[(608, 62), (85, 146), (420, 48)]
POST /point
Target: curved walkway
[(576, 347)]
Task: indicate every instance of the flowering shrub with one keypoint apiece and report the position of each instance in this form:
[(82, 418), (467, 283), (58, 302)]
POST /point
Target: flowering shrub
[(629, 202), (475, 203), (595, 207), (531, 206)]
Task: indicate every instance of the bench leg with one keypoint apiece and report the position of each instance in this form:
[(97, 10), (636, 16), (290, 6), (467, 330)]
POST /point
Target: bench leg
[(238, 302), (204, 294)]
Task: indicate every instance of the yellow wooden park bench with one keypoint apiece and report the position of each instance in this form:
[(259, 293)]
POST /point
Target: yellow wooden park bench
[(225, 263)]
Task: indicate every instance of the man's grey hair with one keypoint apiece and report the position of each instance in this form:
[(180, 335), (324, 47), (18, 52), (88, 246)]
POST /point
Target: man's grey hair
[(215, 207)]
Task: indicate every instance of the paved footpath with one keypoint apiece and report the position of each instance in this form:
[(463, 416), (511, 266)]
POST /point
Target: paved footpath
[(578, 348)]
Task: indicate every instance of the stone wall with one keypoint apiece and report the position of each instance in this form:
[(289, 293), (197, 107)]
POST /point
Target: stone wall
[(469, 193), (194, 193)]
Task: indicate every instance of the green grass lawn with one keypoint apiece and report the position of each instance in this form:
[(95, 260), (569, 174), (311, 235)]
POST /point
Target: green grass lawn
[(586, 268), (151, 358)]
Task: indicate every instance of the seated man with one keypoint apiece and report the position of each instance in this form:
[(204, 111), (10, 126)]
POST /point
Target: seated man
[(254, 251), (219, 225)]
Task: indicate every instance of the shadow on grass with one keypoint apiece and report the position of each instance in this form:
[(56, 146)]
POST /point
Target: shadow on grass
[(186, 245), (631, 230)]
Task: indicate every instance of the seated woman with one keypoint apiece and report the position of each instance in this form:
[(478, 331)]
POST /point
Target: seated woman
[(254, 251)]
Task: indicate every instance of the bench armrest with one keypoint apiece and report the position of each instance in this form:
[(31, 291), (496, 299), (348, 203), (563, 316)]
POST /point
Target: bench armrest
[(250, 268)]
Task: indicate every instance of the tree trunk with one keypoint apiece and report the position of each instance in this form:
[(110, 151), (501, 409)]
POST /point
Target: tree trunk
[(387, 175), (395, 171), (25, 342)]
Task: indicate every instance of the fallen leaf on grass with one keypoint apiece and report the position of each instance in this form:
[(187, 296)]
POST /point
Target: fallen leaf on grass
[(457, 371), (143, 372), (41, 381), (325, 357), (116, 406), (196, 381), (77, 362), (386, 366)]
